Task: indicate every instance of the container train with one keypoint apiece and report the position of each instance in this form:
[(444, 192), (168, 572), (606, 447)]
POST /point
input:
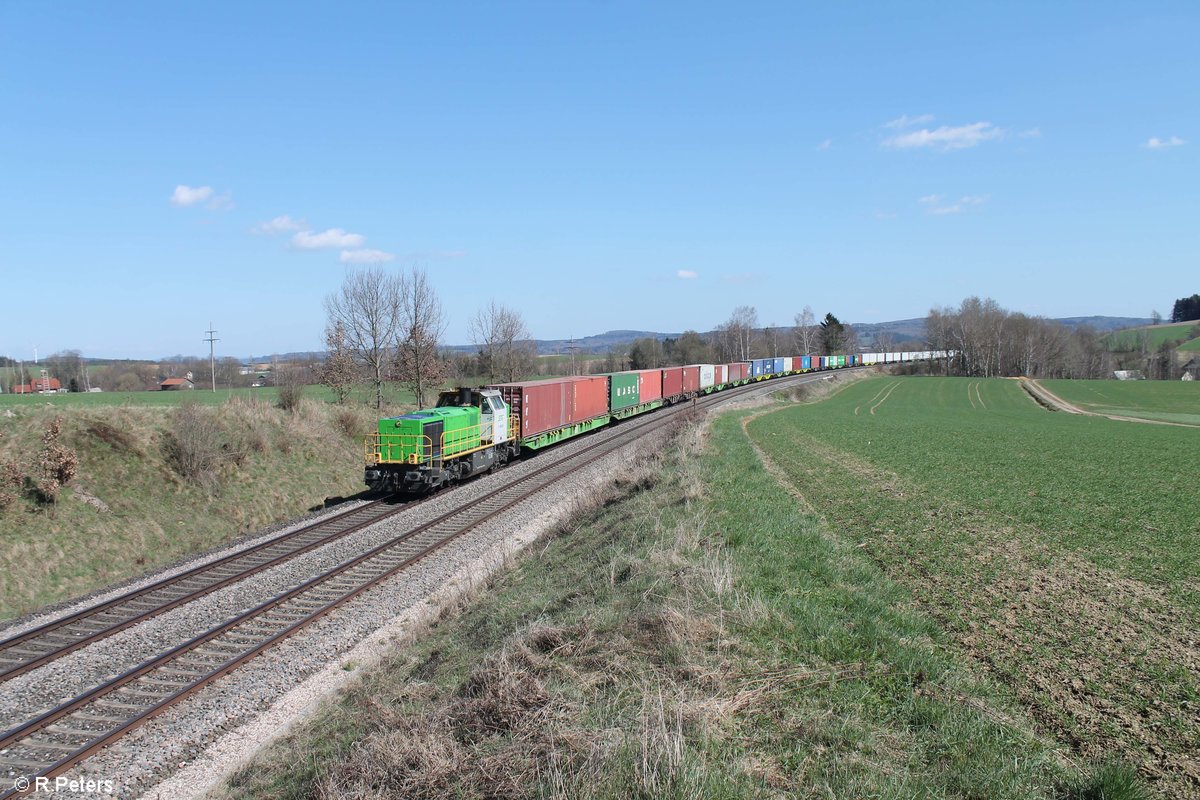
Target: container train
[(472, 431)]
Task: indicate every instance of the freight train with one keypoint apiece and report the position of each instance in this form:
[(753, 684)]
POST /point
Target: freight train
[(472, 431)]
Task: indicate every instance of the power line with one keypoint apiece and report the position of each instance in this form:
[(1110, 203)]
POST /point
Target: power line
[(212, 364)]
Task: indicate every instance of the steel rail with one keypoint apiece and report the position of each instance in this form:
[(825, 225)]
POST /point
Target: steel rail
[(32, 648), (178, 678)]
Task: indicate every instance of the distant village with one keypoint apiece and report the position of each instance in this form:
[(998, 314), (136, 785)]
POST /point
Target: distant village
[(72, 373)]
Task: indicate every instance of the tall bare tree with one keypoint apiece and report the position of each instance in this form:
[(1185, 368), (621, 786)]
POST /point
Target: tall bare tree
[(805, 331), (505, 349), (368, 307), (735, 336), (421, 325)]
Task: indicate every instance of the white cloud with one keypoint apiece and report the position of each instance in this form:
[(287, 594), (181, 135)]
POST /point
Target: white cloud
[(825, 145), (281, 224), (686, 274), (334, 237), (946, 137), (365, 257), (1156, 143), (905, 121), (189, 196), (935, 204)]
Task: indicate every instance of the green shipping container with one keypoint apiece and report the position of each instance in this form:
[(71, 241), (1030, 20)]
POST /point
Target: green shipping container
[(424, 433), (622, 390)]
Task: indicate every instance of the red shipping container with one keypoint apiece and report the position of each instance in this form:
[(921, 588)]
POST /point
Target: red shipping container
[(672, 381), (548, 405), (691, 379), (650, 385), (738, 370), (720, 374)]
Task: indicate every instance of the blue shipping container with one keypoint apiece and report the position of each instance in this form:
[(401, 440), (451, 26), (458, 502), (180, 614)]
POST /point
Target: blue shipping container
[(778, 365), (760, 367), (805, 362)]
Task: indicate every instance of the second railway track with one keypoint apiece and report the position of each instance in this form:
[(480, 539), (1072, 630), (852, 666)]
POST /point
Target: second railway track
[(54, 741)]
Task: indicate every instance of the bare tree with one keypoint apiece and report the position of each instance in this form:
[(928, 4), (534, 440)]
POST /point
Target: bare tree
[(505, 349), (736, 335), (368, 307), (805, 333), (885, 342), (422, 323), (338, 371)]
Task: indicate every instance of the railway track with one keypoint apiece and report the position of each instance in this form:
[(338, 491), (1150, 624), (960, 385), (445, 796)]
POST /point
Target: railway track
[(37, 646), (53, 742)]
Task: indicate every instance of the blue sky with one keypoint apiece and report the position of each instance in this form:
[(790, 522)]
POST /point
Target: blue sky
[(595, 165)]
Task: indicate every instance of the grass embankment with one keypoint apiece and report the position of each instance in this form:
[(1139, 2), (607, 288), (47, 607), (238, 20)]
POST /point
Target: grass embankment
[(1166, 401), (394, 396), (1059, 552), (1154, 336), (698, 635), (129, 509)]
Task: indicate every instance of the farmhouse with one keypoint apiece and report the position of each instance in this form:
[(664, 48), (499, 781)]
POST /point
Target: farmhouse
[(176, 384)]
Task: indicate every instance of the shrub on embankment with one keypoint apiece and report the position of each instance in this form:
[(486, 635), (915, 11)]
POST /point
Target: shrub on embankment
[(152, 484)]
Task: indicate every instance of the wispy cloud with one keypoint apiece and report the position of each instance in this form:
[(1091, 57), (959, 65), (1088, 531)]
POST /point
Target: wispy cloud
[(334, 237), (825, 145), (945, 137), (905, 121), (1156, 143), (189, 196), (365, 257), (937, 204), (281, 224), (220, 202), (686, 274)]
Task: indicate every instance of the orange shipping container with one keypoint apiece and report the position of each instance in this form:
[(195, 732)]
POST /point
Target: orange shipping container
[(548, 405)]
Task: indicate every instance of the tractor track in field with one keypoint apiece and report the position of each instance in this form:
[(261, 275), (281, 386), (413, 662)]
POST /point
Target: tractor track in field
[(1048, 399), (53, 741)]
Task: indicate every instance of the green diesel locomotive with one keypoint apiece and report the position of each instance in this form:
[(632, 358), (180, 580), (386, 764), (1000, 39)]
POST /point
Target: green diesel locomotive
[(469, 432)]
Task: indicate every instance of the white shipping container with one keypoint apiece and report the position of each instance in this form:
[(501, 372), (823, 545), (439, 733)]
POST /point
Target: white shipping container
[(707, 375)]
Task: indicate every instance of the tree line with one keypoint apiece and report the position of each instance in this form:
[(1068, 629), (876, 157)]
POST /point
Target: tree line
[(990, 341)]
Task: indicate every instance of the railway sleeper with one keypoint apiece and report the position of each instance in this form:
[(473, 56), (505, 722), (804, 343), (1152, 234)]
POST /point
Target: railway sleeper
[(90, 716), (128, 709), (26, 652), (54, 747), (59, 729), (18, 765)]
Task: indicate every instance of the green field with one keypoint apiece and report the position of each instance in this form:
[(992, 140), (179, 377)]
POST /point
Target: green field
[(1059, 551), (696, 633), (1156, 336), (1191, 347), (1167, 401)]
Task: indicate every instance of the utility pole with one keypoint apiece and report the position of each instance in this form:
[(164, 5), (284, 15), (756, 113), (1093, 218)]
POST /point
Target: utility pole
[(212, 363)]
